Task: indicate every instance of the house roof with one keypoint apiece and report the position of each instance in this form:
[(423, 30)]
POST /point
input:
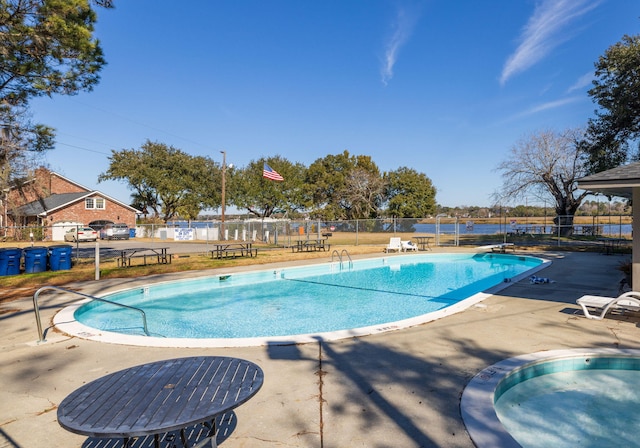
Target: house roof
[(49, 203), (619, 181), (55, 201)]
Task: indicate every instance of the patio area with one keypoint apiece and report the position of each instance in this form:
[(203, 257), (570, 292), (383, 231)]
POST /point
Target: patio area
[(397, 389)]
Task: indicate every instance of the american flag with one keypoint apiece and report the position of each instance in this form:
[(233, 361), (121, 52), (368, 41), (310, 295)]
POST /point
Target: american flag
[(270, 173)]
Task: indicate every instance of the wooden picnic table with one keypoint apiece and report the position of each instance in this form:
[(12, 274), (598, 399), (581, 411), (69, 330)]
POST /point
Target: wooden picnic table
[(311, 245), (159, 254), (226, 250), (162, 396)]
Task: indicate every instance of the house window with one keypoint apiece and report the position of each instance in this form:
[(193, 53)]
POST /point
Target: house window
[(94, 203)]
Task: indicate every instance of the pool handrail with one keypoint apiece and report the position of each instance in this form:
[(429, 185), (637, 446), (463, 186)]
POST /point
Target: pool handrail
[(36, 309), (344, 251)]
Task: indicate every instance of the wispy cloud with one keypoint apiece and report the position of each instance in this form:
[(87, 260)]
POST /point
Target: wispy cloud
[(551, 105), (402, 27), (542, 33), (582, 82)]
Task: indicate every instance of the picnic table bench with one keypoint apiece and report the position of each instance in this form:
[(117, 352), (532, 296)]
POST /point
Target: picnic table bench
[(158, 255), (233, 250), (311, 245)]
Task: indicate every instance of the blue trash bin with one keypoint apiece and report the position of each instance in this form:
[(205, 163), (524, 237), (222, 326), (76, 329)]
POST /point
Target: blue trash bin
[(10, 260), (132, 233), (35, 259), (60, 257)]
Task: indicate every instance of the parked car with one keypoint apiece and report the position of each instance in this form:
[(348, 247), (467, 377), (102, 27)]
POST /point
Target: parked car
[(81, 234), (117, 231), (99, 224)]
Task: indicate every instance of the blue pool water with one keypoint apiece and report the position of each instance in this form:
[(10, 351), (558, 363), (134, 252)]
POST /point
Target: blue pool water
[(585, 397), (309, 300), (587, 401)]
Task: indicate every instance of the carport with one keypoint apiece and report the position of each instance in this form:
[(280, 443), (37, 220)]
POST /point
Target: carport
[(623, 181)]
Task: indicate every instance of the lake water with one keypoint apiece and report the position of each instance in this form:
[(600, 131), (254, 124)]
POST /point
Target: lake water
[(471, 229), (490, 229)]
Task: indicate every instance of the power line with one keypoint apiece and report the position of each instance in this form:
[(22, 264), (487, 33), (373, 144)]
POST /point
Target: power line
[(84, 149)]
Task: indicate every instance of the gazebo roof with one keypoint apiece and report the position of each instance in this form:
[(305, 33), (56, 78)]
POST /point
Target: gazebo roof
[(618, 181)]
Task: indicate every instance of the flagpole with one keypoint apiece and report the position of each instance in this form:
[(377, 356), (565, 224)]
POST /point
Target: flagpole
[(224, 173)]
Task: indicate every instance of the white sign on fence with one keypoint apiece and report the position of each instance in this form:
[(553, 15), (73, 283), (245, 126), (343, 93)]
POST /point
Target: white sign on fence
[(183, 235)]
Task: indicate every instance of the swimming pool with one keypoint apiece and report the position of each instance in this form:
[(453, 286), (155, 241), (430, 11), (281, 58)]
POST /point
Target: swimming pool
[(301, 304), (561, 398)]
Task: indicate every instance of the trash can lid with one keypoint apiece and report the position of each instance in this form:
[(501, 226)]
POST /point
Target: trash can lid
[(37, 248), (61, 249)]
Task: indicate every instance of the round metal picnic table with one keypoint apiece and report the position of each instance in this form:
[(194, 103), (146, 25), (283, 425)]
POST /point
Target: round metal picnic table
[(158, 397)]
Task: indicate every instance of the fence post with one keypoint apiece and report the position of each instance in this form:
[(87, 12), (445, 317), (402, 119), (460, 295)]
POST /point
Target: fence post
[(97, 260)]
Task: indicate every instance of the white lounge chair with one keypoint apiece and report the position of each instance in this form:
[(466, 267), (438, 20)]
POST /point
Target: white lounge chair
[(629, 301), (394, 244), (408, 245)]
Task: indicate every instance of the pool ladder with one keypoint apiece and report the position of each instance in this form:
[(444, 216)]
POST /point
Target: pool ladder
[(339, 255), (36, 309)]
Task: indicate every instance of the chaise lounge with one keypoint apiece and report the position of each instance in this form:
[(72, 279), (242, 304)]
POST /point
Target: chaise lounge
[(394, 244), (629, 301), (408, 245)]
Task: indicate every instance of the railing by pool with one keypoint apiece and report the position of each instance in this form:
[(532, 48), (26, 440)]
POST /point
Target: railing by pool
[(339, 255), (36, 308)]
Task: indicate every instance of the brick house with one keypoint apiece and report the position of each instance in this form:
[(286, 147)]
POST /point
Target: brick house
[(50, 200)]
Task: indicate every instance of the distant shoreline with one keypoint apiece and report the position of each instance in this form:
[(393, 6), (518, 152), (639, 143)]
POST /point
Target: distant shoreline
[(582, 220)]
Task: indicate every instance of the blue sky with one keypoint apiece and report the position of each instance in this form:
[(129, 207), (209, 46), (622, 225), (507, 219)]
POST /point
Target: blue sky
[(444, 87)]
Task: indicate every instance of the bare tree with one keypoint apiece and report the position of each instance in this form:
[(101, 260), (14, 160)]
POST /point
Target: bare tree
[(546, 164), (362, 194)]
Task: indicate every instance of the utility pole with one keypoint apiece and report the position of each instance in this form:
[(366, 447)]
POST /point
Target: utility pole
[(224, 175)]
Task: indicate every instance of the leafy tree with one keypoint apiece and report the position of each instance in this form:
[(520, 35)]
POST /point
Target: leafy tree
[(261, 197), (617, 124), (166, 180), (521, 210), (19, 140), (546, 164), (326, 178), (410, 194), (139, 202), (344, 187), (200, 179), (46, 47)]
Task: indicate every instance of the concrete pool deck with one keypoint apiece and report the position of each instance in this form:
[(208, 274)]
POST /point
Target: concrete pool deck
[(395, 389)]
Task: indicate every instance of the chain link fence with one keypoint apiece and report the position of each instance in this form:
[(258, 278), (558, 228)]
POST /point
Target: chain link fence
[(443, 231)]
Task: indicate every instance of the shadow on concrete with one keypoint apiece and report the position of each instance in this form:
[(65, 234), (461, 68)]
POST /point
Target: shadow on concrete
[(385, 386), (6, 441)]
